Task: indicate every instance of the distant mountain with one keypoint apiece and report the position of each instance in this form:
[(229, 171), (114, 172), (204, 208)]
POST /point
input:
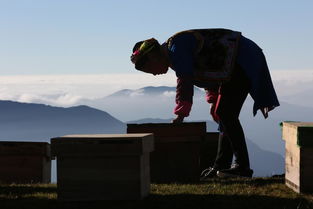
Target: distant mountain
[(263, 162), (156, 102), (150, 91), (38, 122)]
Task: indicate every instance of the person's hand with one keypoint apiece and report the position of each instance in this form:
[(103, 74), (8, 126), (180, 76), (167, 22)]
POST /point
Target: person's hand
[(213, 112), (178, 119)]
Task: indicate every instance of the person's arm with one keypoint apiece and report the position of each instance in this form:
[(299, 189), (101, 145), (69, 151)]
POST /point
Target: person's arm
[(184, 94), (181, 55), (212, 97)]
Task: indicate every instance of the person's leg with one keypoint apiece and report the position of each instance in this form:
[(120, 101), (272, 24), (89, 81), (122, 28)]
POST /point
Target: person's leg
[(224, 155), (231, 139), (233, 96), (223, 159)]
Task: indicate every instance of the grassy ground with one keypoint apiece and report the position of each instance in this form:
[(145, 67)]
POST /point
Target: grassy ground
[(218, 193)]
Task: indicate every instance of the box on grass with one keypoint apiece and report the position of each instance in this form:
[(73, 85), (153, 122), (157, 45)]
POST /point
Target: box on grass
[(208, 150), (102, 167), (299, 155), (176, 157), (25, 162)]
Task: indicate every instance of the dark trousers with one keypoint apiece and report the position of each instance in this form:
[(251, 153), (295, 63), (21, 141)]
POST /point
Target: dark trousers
[(232, 140)]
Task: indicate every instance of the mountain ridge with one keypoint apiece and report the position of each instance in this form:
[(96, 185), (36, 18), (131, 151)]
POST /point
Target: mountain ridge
[(40, 121)]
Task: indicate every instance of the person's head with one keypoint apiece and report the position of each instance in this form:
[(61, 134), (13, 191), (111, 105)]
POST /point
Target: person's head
[(149, 56)]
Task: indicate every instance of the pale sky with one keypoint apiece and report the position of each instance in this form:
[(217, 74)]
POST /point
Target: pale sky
[(49, 37)]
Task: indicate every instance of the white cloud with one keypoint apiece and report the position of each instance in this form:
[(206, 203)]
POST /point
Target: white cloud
[(289, 82), (169, 93), (68, 90), (137, 93)]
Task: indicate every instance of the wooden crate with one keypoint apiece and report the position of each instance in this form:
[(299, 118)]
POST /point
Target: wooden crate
[(299, 155), (25, 162), (208, 150), (177, 150), (102, 167)]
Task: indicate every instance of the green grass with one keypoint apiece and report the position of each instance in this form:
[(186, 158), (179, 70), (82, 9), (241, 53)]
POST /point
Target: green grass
[(217, 193)]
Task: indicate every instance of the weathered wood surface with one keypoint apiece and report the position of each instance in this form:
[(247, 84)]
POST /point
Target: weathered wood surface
[(168, 130), (176, 157), (103, 167), (25, 162), (299, 155), (300, 133), (102, 144), (208, 150)]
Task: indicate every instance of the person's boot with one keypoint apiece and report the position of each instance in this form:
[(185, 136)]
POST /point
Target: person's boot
[(235, 171), (208, 173)]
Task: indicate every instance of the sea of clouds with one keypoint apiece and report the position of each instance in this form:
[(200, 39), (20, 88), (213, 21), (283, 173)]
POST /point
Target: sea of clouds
[(69, 90)]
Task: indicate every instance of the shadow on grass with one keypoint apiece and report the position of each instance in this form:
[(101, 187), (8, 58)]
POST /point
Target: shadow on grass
[(250, 181), (230, 181), (25, 189), (167, 201), (19, 199)]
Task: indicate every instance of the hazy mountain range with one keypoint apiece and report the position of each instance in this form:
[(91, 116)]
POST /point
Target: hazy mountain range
[(38, 122)]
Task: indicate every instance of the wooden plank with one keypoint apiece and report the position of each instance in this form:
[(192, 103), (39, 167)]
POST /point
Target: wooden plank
[(101, 139), (173, 139), (145, 175), (89, 182), (292, 185), (127, 168), (175, 162), (104, 144), (299, 169), (169, 129), (292, 163), (208, 150), (103, 168), (110, 162), (177, 150), (24, 169), (306, 169), (300, 133), (96, 150), (289, 133), (46, 170), (305, 136), (134, 137), (24, 148), (299, 155)]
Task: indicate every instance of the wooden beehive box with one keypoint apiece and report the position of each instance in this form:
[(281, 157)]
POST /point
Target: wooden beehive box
[(177, 150), (25, 162), (208, 150), (299, 155), (102, 167)]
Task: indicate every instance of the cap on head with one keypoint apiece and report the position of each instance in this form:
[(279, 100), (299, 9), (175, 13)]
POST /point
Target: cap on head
[(140, 51)]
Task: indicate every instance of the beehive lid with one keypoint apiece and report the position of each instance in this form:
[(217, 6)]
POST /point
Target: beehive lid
[(169, 129), (102, 144), (300, 133)]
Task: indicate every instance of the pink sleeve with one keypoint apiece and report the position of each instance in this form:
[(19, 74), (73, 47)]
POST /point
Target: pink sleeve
[(211, 96), (183, 108)]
